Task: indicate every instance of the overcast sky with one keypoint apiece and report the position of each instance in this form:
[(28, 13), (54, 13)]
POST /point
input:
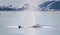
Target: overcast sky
[(19, 2)]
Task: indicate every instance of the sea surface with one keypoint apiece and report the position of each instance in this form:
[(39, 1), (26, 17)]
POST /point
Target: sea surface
[(26, 18)]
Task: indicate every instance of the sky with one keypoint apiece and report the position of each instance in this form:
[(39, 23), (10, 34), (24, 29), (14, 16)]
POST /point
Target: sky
[(19, 2), (12, 2)]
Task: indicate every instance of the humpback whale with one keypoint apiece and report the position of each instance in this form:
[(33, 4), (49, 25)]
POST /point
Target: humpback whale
[(41, 26), (33, 26), (19, 27)]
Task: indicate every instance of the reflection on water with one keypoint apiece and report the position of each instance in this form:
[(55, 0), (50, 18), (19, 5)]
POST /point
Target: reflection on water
[(29, 31), (16, 31)]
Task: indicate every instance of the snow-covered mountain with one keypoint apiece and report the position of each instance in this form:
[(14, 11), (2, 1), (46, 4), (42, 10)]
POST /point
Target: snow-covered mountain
[(50, 5), (12, 8)]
